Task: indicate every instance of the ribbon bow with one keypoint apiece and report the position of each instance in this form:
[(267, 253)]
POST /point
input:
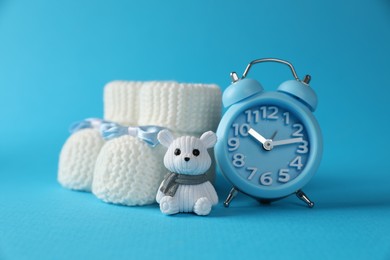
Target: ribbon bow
[(86, 123), (148, 134)]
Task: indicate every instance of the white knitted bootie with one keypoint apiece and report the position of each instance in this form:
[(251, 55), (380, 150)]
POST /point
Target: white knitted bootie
[(79, 153), (78, 156), (128, 170)]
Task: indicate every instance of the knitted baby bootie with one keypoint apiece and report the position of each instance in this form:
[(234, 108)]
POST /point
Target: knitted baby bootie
[(78, 155), (128, 170)]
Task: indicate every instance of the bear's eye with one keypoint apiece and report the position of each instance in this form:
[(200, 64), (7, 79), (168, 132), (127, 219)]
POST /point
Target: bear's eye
[(177, 151), (195, 152)]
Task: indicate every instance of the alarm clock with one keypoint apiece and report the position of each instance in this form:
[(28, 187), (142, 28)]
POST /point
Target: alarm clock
[(269, 143)]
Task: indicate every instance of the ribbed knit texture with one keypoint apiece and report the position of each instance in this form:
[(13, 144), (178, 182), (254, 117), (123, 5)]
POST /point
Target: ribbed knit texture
[(128, 172), (184, 108), (122, 103), (187, 109), (77, 159)]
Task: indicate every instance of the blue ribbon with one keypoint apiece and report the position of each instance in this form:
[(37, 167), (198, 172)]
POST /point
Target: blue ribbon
[(110, 130), (85, 124), (148, 134)]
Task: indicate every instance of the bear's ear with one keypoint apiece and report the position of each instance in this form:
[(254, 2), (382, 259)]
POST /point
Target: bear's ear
[(165, 137), (209, 139)]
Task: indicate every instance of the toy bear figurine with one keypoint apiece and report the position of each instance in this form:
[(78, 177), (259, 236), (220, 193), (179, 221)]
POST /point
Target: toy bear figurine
[(185, 188)]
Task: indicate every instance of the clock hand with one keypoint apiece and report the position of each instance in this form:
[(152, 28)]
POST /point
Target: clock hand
[(273, 136), (287, 141), (267, 143), (257, 136)]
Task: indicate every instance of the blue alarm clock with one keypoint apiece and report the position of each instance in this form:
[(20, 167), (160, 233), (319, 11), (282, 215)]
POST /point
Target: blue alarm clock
[(269, 143)]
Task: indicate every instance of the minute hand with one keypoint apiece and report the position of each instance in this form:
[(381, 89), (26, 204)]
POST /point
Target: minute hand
[(287, 141)]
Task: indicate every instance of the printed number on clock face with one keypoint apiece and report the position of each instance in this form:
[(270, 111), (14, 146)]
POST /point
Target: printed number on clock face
[(287, 140)]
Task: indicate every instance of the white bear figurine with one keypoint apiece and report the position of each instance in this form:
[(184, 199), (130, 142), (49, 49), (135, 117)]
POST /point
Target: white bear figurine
[(186, 188)]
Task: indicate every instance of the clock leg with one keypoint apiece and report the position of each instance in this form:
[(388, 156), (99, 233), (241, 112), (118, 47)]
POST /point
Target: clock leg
[(302, 196), (233, 192)]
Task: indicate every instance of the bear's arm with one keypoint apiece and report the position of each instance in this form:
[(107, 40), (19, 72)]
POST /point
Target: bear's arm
[(159, 194)]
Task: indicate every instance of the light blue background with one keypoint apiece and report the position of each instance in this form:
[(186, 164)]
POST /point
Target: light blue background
[(55, 57)]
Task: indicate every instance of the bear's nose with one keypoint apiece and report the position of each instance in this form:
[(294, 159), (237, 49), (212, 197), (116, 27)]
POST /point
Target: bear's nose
[(186, 159)]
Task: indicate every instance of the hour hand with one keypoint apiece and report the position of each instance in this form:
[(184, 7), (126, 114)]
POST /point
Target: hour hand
[(267, 143), (257, 136), (287, 141)]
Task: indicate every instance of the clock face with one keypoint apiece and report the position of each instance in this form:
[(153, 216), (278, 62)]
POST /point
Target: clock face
[(267, 146)]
